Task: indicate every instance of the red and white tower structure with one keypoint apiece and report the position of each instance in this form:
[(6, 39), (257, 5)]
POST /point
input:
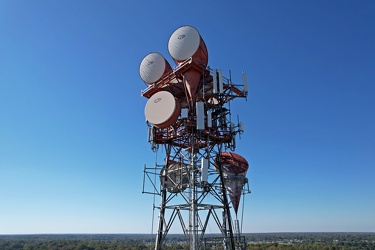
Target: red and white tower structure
[(200, 179)]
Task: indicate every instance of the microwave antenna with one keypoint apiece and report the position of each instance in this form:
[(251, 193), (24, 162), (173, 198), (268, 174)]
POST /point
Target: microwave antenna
[(200, 180)]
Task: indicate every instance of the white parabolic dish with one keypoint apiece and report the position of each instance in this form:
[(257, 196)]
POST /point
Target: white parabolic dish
[(153, 67), (183, 43), (162, 109)]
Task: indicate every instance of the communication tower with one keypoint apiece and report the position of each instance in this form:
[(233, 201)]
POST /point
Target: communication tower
[(200, 179)]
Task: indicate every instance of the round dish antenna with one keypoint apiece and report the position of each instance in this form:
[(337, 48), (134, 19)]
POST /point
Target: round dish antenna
[(153, 67), (184, 43), (162, 109), (174, 178), (233, 163)]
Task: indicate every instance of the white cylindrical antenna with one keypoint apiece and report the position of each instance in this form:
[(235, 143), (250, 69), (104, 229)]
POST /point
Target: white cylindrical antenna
[(232, 126), (214, 81), (241, 127), (209, 119), (200, 115), (245, 84), (204, 170), (234, 142), (150, 134), (220, 78), (184, 113)]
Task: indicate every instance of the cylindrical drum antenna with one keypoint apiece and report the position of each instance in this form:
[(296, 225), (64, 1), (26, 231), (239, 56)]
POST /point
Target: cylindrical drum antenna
[(153, 67)]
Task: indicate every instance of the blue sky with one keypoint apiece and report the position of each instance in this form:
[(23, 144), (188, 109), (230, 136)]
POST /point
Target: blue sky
[(73, 138)]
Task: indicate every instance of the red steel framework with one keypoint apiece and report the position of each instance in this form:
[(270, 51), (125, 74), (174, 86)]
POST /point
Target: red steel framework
[(187, 148)]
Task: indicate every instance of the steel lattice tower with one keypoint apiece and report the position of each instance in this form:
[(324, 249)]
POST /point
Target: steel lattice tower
[(189, 119)]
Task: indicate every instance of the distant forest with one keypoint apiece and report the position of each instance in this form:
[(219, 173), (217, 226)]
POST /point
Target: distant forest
[(270, 241)]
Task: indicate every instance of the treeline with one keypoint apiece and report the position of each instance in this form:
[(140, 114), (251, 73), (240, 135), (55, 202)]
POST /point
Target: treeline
[(309, 237), (311, 246), (69, 245), (75, 242), (290, 241), (325, 241), (82, 245)]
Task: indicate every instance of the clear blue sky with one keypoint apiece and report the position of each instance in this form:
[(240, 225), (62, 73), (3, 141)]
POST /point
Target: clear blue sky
[(73, 137)]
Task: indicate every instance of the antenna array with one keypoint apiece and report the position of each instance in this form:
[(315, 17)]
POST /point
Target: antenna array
[(188, 116)]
